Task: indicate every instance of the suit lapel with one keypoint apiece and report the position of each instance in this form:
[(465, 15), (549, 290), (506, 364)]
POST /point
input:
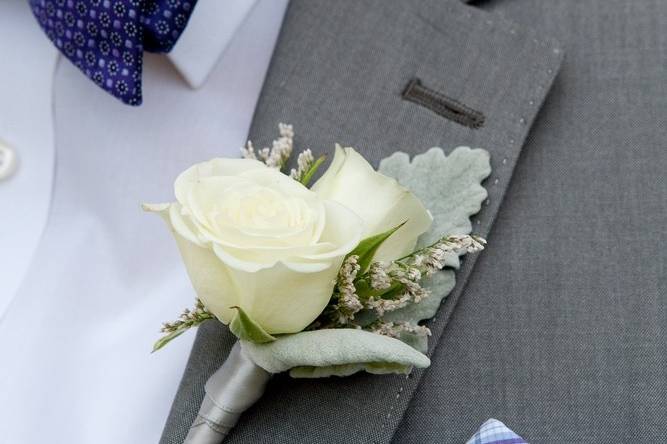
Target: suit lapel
[(339, 74)]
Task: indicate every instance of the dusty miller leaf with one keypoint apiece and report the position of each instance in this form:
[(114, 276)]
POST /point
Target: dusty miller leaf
[(341, 352), (453, 193)]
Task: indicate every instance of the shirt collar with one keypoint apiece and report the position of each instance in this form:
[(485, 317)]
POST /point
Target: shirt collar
[(211, 28)]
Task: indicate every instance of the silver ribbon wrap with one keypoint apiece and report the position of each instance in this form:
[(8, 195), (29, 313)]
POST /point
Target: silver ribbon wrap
[(231, 390)]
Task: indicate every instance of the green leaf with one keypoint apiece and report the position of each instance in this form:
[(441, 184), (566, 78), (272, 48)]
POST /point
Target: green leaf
[(367, 247), (246, 329), (338, 351), (164, 340), (365, 291), (308, 176), (188, 319)]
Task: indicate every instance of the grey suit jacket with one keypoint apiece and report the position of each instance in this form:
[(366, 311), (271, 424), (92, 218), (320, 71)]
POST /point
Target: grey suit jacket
[(560, 331)]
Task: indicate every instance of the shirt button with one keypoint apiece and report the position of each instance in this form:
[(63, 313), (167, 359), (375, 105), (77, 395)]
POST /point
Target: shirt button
[(8, 161)]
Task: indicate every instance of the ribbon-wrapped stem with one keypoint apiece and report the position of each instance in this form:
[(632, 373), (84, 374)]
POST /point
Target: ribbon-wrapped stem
[(230, 391)]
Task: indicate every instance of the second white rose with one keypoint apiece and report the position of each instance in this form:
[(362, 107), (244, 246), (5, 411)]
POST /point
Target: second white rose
[(379, 200)]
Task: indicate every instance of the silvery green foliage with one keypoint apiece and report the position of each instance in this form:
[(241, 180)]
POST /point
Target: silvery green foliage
[(340, 352), (452, 193), (450, 187)]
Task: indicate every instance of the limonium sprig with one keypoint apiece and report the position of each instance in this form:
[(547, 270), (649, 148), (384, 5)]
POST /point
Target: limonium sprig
[(347, 302), (386, 287), (307, 166), (188, 319), (303, 164), (280, 151), (396, 329)]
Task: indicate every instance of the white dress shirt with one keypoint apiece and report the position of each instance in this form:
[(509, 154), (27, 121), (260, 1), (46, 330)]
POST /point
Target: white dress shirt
[(92, 284), (26, 127)]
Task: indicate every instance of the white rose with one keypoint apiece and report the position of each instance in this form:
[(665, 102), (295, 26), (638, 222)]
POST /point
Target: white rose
[(380, 201), (253, 237)]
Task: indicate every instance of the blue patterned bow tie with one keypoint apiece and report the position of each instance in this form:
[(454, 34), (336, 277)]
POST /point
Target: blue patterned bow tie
[(106, 38)]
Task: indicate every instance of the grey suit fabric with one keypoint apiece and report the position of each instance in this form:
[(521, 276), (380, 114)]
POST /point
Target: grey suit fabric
[(560, 331)]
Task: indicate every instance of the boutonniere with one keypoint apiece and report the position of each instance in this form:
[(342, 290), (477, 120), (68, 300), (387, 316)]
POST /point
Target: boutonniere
[(318, 279)]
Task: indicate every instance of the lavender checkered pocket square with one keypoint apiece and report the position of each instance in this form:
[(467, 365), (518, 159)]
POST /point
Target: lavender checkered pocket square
[(495, 432)]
